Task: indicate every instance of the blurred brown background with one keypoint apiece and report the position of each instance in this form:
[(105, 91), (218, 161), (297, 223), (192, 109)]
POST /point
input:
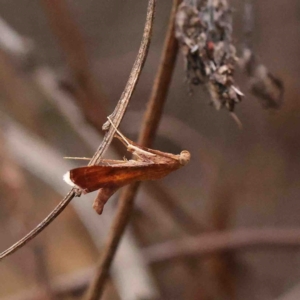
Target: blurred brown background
[(236, 179)]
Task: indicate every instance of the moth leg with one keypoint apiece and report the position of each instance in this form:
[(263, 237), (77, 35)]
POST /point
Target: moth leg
[(77, 158), (103, 195), (107, 124), (118, 132), (138, 157), (141, 154)]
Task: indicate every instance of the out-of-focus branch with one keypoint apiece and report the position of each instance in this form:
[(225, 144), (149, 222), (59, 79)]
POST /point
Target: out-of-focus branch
[(19, 48), (16, 92), (13, 183), (149, 127), (223, 265), (293, 294), (238, 240), (84, 87)]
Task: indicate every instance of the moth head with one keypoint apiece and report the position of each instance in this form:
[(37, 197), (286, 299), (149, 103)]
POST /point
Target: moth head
[(184, 157)]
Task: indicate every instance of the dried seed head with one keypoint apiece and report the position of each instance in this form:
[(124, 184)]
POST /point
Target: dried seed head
[(203, 29)]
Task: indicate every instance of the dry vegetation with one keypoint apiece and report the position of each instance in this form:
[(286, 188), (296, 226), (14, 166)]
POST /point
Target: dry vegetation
[(226, 226)]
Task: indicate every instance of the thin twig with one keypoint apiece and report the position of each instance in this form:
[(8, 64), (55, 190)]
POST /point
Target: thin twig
[(118, 115), (149, 127), (211, 243)]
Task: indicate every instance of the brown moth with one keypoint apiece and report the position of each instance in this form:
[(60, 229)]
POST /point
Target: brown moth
[(110, 175)]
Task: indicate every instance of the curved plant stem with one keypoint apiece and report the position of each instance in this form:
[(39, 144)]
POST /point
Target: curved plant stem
[(149, 128), (117, 117)]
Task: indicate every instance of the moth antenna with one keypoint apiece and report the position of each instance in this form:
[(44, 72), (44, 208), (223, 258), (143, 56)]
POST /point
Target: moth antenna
[(119, 133), (77, 158)]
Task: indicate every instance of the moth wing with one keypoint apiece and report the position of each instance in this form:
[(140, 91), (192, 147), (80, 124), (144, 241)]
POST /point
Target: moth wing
[(92, 178)]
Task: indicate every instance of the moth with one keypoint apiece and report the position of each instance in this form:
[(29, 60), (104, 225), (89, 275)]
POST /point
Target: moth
[(110, 175)]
